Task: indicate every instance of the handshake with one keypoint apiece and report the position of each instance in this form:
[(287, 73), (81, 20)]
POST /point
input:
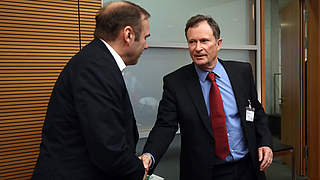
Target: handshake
[(147, 162)]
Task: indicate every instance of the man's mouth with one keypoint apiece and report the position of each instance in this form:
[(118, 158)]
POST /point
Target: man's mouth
[(199, 55)]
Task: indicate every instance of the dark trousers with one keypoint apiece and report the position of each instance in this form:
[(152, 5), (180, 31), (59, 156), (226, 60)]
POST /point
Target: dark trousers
[(238, 170)]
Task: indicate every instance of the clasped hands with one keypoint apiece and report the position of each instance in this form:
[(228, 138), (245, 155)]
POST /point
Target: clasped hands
[(147, 162)]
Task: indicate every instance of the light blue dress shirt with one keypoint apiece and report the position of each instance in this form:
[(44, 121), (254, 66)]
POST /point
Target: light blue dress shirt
[(237, 145)]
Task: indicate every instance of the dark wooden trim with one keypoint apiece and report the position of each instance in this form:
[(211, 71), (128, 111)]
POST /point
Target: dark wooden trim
[(313, 89), (302, 138), (262, 47)]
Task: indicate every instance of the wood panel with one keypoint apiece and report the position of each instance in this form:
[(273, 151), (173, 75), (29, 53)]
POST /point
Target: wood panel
[(37, 39), (313, 89), (87, 21), (292, 128)]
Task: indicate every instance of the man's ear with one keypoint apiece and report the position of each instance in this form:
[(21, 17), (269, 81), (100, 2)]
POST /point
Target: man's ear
[(128, 34), (219, 43)]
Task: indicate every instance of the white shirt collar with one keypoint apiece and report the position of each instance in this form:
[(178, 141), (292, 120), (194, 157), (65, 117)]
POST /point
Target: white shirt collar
[(116, 56)]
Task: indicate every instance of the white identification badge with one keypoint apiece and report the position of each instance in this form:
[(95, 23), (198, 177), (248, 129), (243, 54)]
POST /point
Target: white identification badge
[(249, 113)]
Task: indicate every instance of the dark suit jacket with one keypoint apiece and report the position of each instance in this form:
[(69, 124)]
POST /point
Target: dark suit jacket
[(89, 131), (183, 103)]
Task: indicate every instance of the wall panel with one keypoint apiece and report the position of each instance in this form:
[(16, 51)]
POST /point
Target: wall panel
[(37, 38)]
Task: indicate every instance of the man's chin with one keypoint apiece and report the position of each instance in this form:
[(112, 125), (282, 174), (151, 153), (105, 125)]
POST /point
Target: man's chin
[(200, 62), (134, 62)]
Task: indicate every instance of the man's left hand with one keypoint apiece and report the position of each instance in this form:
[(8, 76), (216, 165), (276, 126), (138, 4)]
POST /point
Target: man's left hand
[(266, 156)]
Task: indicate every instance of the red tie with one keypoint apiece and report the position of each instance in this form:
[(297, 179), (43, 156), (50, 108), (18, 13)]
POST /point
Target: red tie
[(218, 120)]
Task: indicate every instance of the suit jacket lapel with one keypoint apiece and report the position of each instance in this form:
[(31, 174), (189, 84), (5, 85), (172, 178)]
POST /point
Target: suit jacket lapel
[(236, 83), (194, 89)]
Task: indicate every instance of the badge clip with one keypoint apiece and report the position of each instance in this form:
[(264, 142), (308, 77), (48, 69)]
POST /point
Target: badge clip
[(249, 112)]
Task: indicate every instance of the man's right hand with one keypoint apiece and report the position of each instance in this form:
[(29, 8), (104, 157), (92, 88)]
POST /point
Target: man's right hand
[(147, 162)]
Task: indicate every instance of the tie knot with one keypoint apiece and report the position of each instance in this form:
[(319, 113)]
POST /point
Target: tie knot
[(211, 77)]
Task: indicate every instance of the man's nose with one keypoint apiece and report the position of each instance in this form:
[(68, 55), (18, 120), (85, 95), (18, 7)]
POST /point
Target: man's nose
[(198, 46)]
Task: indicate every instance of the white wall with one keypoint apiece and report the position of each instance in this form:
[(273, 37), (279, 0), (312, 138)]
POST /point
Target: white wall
[(168, 47)]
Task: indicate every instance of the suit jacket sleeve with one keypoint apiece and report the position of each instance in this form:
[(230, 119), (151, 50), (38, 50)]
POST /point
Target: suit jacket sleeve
[(166, 125), (99, 105)]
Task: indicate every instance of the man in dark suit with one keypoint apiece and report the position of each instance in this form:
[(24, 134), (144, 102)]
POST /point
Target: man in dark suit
[(90, 131), (237, 148)]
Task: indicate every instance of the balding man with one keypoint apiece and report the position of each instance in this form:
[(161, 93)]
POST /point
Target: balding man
[(90, 131)]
